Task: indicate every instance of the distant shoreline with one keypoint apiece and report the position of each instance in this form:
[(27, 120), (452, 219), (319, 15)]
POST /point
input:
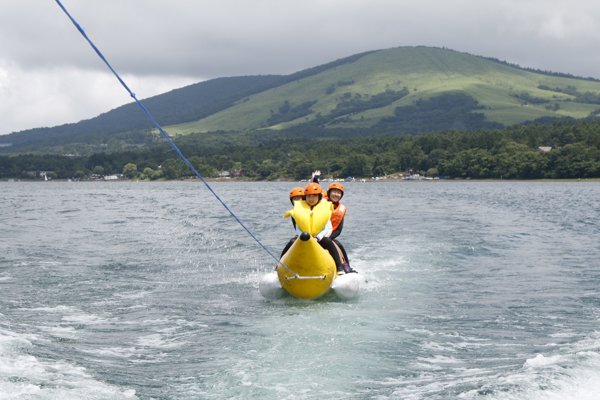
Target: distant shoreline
[(236, 180)]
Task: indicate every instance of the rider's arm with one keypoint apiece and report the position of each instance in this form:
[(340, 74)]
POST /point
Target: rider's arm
[(337, 232), (326, 232)]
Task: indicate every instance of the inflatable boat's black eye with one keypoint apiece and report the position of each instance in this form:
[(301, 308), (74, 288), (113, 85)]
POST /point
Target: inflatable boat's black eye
[(305, 236)]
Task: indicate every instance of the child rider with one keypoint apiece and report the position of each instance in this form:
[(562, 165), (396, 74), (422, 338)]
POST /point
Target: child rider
[(297, 194), (313, 195)]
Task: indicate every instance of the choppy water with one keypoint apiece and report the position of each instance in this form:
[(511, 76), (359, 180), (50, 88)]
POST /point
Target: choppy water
[(150, 291)]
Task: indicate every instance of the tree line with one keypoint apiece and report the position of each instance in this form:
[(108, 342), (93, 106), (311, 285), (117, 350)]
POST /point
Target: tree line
[(510, 153)]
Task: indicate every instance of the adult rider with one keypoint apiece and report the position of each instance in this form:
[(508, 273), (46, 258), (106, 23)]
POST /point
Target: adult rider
[(335, 193)]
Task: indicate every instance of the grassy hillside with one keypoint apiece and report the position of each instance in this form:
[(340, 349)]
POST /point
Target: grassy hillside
[(406, 90), (505, 94)]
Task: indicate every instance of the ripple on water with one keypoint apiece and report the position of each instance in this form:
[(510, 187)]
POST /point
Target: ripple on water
[(478, 290)]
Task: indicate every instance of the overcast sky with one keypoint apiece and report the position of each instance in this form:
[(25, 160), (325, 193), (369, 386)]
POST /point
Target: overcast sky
[(49, 75)]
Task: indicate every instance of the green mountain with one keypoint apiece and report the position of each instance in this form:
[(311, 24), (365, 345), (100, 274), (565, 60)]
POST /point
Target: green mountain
[(396, 86), (406, 90)]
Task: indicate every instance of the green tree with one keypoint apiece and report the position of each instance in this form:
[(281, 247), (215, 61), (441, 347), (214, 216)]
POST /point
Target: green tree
[(157, 175), (432, 172), (206, 170), (378, 171), (170, 168), (130, 170), (250, 167), (148, 172), (268, 168), (302, 170), (357, 165)]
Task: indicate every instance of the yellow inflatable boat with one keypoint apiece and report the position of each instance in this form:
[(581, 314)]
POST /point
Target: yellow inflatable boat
[(310, 269), (306, 270)]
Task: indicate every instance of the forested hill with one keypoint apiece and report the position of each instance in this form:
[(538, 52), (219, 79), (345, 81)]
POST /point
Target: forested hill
[(395, 92), (176, 106), (569, 150)]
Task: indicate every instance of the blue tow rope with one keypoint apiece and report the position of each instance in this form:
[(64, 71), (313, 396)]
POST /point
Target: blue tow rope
[(81, 30)]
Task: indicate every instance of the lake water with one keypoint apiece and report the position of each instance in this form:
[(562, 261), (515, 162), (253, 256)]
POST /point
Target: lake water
[(150, 290)]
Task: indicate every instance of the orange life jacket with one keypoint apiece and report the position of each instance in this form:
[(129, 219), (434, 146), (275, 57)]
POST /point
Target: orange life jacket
[(338, 216)]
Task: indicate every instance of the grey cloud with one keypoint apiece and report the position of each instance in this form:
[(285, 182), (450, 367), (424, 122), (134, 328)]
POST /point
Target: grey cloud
[(207, 39)]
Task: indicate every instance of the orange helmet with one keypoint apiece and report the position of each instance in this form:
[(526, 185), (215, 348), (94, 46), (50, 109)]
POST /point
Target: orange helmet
[(297, 191), (312, 188), (336, 185), (324, 195)]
